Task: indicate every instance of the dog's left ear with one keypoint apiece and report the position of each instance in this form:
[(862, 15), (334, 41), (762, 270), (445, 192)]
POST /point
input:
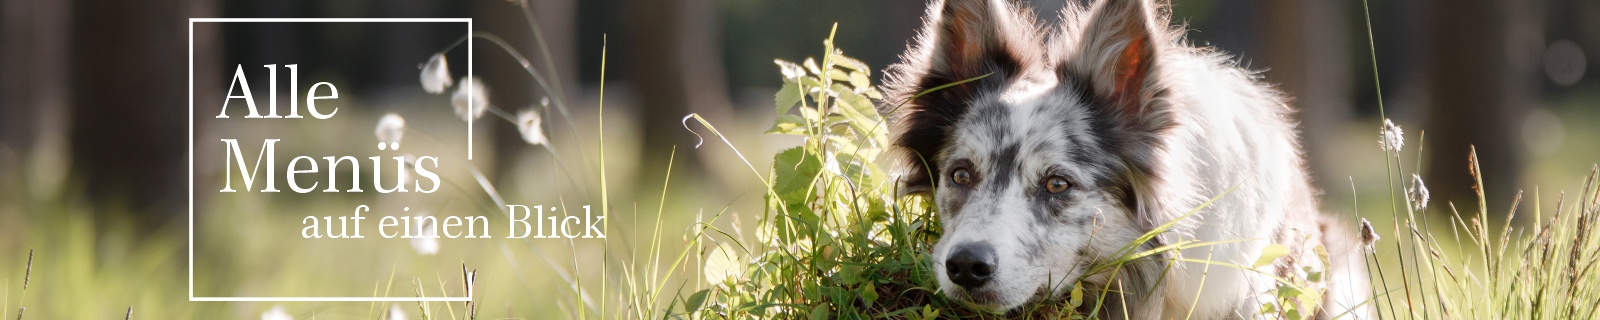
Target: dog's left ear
[(1117, 52), (994, 41)]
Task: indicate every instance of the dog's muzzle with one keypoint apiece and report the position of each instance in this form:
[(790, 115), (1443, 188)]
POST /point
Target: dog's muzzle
[(972, 265)]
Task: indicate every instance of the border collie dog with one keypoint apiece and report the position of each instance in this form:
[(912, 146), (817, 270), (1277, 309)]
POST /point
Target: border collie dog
[(1060, 149)]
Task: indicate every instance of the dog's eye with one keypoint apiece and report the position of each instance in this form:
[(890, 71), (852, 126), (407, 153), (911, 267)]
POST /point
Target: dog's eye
[(961, 176), (1056, 184)]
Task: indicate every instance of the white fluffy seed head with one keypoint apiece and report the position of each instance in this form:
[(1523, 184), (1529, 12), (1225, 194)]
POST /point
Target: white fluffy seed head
[(1418, 193), (426, 241), (470, 94), (436, 74), (397, 313), (531, 126), (404, 174), (276, 313), (1369, 236), (1393, 138), (391, 127)]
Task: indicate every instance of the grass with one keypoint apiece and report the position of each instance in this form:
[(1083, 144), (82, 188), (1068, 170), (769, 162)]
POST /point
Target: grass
[(27, 275), (1479, 271)]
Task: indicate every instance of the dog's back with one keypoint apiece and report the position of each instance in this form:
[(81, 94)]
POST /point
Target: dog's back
[(1232, 138)]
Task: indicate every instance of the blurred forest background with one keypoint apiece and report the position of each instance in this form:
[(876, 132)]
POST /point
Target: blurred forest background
[(93, 92)]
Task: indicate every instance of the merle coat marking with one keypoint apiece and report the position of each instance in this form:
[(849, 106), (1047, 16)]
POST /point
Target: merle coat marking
[(1075, 143)]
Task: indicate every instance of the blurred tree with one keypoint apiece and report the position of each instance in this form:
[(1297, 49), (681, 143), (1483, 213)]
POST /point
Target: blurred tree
[(1479, 73), (675, 70), (130, 100), (34, 96), (1305, 45)]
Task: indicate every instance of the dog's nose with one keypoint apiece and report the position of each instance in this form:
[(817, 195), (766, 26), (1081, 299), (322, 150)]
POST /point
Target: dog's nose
[(972, 265)]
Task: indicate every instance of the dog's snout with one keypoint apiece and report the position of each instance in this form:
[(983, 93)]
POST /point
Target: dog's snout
[(972, 265)]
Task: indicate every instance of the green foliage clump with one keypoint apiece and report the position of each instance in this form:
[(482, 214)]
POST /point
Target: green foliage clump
[(834, 242)]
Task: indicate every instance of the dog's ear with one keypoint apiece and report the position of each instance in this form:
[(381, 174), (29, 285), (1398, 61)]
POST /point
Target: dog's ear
[(1112, 55), (1116, 52), (960, 40)]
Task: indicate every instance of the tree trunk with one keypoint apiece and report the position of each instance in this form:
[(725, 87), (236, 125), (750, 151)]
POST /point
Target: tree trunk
[(676, 69), (1305, 52), (130, 101), (1479, 78), (34, 97)]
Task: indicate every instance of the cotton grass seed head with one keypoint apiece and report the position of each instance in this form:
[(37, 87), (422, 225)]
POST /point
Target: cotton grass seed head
[(1418, 193), (531, 126), (436, 74), (1369, 236), (397, 313), (470, 94), (276, 313), (1393, 137), (391, 127), (426, 241), (403, 176)]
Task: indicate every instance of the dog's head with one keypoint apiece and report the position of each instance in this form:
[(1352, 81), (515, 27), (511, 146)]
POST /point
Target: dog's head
[(1037, 165)]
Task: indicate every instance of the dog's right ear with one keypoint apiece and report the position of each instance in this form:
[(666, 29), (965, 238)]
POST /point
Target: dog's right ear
[(960, 40)]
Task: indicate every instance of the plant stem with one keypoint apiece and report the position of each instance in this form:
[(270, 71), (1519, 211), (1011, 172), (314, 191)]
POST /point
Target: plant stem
[(26, 276)]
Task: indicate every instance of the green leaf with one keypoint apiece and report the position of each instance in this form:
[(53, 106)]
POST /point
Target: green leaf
[(820, 312), (862, 105), (787, 97), (1076, 297), (695, 301), (823, 238), (1287, 292), (849, 63), (1271, 253), (813, 84), (789, 124), (793, 170), (1312, 275), (838, 75), (860, 81), (874, 94), (869, 293), (791, 71), (850, 274), (723, 265)]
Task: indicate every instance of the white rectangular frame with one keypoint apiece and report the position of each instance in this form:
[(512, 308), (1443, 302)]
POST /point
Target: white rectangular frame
[(192, 21)]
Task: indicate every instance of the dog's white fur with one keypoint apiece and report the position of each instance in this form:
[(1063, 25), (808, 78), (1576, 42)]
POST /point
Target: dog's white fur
[(1145, 127)]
